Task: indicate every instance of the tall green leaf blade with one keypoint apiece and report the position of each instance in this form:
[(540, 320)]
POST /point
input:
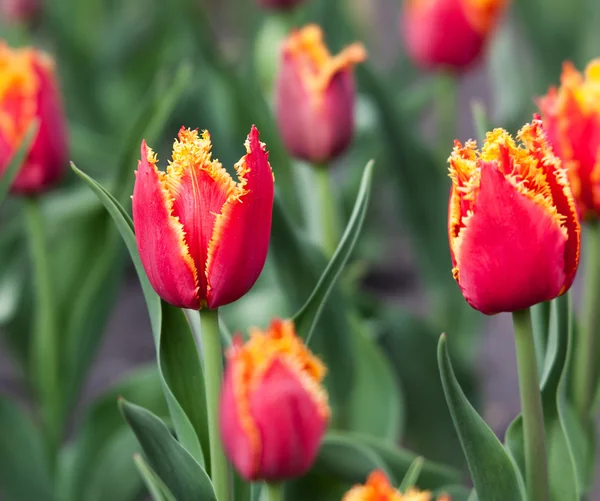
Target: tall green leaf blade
[(24, 471), (180, 472), (10, 173), (493, 473), (156, 487), (307, 317), (186, 405)]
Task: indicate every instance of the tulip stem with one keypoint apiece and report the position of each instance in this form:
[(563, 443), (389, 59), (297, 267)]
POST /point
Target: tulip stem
[(586, 346), (446, 113), (44, 344), (274, 492), (536, 470), (330, 228), (213, 375)]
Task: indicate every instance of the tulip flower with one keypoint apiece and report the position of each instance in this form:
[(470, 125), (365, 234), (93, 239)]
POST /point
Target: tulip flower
[(17, 11), (448, 34), (315, 96), (273, 410), (378, 488), (512, 224), (202, 237), (571, 116), (279, 4), (28, 91)]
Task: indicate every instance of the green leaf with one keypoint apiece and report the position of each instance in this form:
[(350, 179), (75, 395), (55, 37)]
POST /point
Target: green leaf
[(157, 488), (493, 473), (412, 475), (24, 471), (10, 173), (180, 472), (173, 340), (307, 317), (378, 413)]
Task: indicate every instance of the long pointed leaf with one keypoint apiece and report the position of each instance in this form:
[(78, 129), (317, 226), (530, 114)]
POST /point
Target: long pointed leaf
[(493, 473), (159, 491), (9, 175)]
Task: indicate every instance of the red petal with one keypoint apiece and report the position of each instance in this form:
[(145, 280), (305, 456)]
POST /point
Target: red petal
[(290, 424), (511, 253), (238, 249), (160, 241)]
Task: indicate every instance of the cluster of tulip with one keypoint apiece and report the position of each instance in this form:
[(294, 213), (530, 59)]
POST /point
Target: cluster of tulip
[(202, 239)]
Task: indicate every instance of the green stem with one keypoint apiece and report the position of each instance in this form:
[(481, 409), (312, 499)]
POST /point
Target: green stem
[(213, 374), (44, 344), (274, 492), (536, 469), (446, 114), (586, 346), (330, 229)]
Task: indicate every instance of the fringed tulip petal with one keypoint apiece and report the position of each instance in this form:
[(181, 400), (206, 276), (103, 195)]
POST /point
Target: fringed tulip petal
[(513, 229), (240, 241), (160, 237), (315, 96), (273, 410)]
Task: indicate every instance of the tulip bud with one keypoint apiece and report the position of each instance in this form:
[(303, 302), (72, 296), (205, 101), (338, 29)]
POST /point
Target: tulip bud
[(315, 96), (279, 4), (18, 11), (448, 33), (202, 237), (28, 91), (571, 116), (378, 488), (273, 410), (512, 224)]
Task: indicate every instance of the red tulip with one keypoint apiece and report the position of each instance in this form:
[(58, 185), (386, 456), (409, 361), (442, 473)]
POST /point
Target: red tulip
[(378, 488), (448, 33), (315, 96), (28, 91), (202, 237), (513, 229), (279, 4), (571, 116), (273, 410), (17, 11)]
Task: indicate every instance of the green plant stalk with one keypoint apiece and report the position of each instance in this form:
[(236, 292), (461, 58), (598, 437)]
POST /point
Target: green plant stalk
[(213, 375), (585, 377), (536, 469), (273, 491), (446, 110), (330, 228), (44, 358)]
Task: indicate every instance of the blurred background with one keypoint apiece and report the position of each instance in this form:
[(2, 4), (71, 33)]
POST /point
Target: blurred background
[(126, 67)]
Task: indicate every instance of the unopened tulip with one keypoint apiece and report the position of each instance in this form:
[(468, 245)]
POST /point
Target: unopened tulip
[(315, 96), (273, 410), (512, 223), (18, 11), (448, 34), (279, 4), (571, 116), (378, 488), (28, 91), (202, 237)]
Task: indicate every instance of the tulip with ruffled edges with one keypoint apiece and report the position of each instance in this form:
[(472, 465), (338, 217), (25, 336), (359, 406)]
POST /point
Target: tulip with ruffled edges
[(202, 237), (28, 91), (513, 228), (273, 410)]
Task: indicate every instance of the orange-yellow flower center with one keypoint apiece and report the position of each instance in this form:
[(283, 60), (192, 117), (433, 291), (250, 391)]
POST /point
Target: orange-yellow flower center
[(585, 88), (483, 14), (251, 361), (19, 86), (378, 488), (315, 63)]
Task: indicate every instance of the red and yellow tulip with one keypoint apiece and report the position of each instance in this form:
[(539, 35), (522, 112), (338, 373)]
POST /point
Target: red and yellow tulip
[(315, 96), (28, 91), (448, 33), (571, 116), (513, 228), (273, 410), (378, 488), (202, 237), (279, 4)]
